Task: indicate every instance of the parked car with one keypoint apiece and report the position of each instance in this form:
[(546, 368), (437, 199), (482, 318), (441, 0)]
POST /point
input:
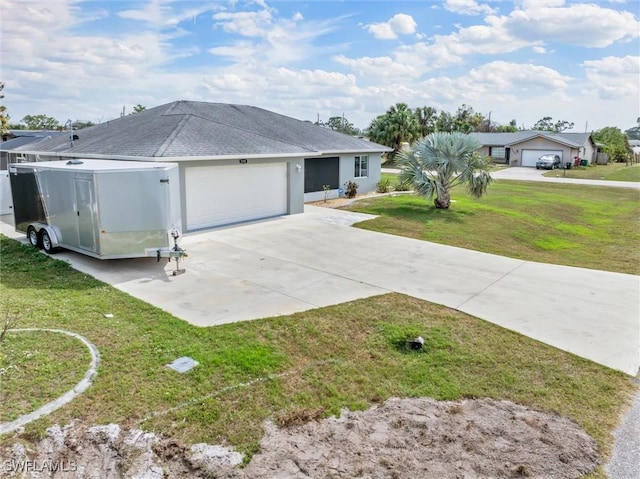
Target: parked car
[(548, 162)]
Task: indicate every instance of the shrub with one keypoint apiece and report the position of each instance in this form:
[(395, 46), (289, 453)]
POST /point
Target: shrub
[(383, 186), (350, 189), (327, 189), (403, 185)]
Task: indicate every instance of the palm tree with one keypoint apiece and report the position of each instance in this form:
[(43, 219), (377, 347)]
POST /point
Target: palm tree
[(396, 126), (427, 117), (441, 161)]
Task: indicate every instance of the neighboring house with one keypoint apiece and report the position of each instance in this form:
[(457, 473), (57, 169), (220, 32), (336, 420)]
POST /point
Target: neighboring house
[(237, 163), (11, 134), (523, 148), (635, 149), (12, 140)]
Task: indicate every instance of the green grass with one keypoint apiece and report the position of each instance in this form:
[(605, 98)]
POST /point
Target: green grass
[(576, 225), (57, 361), (611, 172), (631, 173), (392, 177), (350, 355)]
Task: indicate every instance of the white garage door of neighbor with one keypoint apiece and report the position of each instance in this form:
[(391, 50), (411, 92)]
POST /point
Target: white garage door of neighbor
[(529, 157), (219, 195)]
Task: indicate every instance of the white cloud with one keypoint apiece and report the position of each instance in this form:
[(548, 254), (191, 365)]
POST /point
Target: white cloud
[(399, 24), (274, 39), (530, 4), (382, 31), (248, 24), (497, 84), (467, 7), (51, 68), (613, 77), (403, 24), (518, 77), (536, 24), (447, 50), (378, 67), (588, 25), (160, 13)]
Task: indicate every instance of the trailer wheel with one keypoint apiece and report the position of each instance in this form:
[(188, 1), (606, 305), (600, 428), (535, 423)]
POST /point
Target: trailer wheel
[(32, 236), (47, 246)]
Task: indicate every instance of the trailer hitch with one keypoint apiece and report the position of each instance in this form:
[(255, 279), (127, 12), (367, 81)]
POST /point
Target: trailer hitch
[(176, 253)]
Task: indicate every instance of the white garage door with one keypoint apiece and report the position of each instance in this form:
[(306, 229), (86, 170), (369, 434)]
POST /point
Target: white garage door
[(219, 195), (529, 157)]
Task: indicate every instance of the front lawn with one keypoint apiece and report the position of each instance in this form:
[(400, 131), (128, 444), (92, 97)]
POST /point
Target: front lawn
[(611, 172), (308, 364), (575, 225)]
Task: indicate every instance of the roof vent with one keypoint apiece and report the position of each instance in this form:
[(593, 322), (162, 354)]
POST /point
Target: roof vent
[(75, 162)]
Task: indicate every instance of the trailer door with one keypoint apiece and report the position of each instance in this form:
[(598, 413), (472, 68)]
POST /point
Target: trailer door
[(84, 211)]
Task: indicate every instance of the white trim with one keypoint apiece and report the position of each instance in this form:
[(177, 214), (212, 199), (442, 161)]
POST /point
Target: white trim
[(162, 159)]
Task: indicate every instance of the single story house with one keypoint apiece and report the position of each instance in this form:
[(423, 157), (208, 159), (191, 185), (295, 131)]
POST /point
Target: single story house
[(523, 148), (11, 134), (236, 163), (12, 140)]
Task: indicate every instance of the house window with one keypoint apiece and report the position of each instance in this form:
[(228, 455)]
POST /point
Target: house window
[(497, 152), (361, 164)]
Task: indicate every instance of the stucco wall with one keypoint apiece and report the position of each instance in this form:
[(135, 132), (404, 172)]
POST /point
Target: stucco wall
[(589, 153), (484, 151), (365, 184), (346, 173)]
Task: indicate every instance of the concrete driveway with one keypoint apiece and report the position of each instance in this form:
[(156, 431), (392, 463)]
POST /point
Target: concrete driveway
[(295, 263)]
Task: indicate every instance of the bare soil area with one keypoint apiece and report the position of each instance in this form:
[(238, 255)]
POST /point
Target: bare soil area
[(402, 438), (343, 200)]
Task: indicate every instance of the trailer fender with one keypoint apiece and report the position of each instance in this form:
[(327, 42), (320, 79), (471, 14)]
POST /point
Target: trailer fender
[(54, 235)]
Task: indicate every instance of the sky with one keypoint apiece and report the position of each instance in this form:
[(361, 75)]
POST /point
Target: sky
[(511, 59)]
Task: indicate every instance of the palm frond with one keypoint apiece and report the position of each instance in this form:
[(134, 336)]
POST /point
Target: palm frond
[(441, 160)]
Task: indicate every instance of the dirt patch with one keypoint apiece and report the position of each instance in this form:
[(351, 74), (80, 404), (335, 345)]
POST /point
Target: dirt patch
[(403, 438), (344, 201)]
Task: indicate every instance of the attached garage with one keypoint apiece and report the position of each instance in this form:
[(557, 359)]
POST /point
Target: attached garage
[(238, 163), (222, 195), (529, 157)]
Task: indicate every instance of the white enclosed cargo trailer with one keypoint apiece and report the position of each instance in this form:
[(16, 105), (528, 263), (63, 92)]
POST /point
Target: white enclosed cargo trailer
[(102, 208)]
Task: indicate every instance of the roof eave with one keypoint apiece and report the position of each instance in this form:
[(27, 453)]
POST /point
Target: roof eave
[(353, 151), (555, 140), (170, 158)]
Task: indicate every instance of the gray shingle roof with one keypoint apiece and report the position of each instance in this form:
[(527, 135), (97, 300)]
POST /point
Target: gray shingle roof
[(199, 129), (19, 141), (507, 139)]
